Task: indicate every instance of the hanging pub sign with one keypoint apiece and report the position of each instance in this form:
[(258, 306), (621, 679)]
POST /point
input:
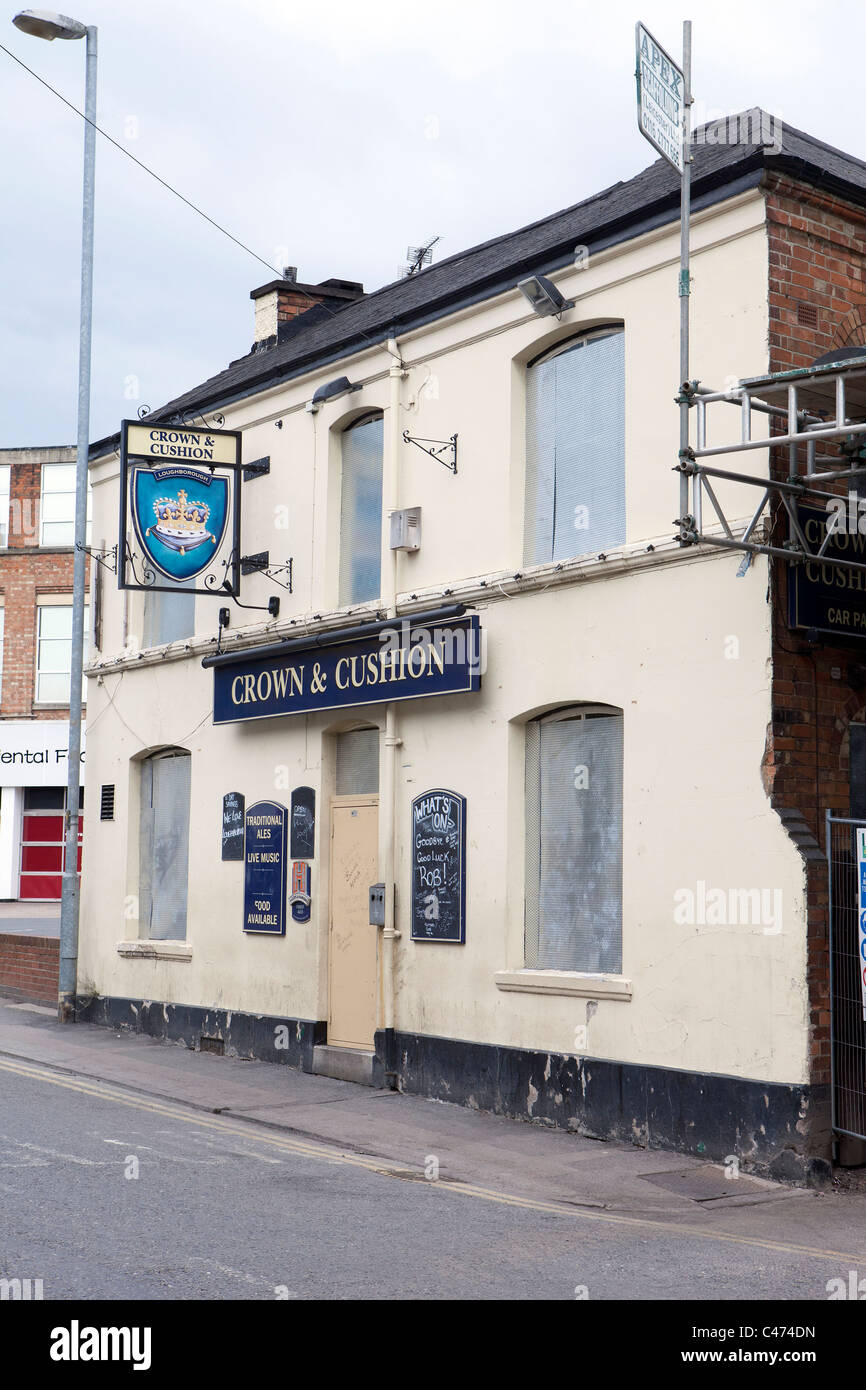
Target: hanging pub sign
[(824, 597), (180, 509), (439, 867), (265, 865), (233, 826), (303, 823), (403, 661)]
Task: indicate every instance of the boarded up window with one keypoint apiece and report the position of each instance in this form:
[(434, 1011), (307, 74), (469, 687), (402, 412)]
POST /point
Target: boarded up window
[(358, 762), (164, 846), (167, 616), (361, 512), (574, 842), (575, 450)]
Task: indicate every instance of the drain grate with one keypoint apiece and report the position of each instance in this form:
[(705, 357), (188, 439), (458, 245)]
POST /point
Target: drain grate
[(216, 1045)]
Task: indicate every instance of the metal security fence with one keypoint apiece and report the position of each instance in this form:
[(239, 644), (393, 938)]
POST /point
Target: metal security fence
[(847, 1025)]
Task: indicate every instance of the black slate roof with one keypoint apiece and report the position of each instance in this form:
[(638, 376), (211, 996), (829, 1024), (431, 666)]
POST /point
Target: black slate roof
[(728, 157)]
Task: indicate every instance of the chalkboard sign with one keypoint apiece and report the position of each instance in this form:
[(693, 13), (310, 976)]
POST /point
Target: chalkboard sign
[(233, 826), (439, 867), (265, 868), (303, 823)]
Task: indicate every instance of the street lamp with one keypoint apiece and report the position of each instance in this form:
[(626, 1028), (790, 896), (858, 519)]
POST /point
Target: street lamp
[(44, 24)]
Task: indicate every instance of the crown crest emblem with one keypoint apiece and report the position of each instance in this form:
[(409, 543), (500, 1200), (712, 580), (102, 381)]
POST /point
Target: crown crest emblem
[(181, 523)]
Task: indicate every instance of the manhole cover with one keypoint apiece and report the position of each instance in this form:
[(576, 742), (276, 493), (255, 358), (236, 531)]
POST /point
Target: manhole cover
[(706, 1184)]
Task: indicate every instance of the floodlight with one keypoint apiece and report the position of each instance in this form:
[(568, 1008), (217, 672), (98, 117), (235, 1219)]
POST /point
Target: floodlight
[(341, 386), (543, 296)]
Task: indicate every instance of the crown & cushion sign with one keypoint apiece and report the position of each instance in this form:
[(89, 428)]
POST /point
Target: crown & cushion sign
[(396, 664)]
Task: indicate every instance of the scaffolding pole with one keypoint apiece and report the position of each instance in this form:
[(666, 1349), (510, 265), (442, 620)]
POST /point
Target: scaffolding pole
[(685, 274)]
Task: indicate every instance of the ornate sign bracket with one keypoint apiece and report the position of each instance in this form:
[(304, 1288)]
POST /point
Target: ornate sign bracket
[(446, 446)]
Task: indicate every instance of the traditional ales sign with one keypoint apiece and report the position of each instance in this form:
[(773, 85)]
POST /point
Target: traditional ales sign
[(265, 864)]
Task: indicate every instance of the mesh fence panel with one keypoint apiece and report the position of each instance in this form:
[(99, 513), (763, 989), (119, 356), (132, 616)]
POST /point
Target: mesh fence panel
[(847, 1026)]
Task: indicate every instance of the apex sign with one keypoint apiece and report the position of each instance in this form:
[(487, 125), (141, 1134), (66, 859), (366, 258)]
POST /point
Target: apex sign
[(660, 98)]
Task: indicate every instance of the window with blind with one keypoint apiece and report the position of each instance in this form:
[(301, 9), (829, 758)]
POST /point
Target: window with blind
[(575, 449), (361, 511), (164, 845), (574, 841)]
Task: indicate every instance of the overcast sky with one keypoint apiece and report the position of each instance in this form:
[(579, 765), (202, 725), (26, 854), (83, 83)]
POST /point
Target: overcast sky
[(330, 136)]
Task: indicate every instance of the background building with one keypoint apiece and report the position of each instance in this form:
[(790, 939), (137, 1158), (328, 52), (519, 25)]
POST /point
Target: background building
[(37, 498)]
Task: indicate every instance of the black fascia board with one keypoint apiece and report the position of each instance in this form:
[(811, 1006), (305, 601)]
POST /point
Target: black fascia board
[(334, 636)]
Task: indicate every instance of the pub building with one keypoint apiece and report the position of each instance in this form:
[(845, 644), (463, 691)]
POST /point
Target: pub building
[(456, 772)]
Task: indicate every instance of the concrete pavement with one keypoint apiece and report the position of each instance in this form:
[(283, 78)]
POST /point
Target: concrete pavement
[(30, 919)]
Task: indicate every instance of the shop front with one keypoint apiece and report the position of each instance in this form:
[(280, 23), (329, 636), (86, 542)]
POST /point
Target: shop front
[(33, 761)]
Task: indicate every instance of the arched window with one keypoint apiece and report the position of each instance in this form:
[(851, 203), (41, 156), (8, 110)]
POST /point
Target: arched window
[(361, 511), (575, 448), (574, 840), (164, 845)]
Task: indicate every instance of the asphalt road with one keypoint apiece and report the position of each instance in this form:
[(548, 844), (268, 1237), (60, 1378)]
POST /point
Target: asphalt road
[(106, 1194)]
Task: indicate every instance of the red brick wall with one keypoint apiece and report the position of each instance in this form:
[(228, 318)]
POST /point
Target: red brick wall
[(290, 303), (29, 968), (26, 572), (817, 301)]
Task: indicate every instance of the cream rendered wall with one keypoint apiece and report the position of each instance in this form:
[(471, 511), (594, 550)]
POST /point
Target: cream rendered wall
[(717, 998), (646, 633)]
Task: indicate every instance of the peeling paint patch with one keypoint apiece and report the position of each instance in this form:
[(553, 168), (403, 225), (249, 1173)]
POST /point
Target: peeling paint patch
[(531, 1099)]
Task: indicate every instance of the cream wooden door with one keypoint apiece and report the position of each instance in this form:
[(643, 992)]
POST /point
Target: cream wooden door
[(353, 974)]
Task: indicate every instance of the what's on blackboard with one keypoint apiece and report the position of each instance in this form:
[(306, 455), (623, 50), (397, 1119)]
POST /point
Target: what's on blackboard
[(265, 865), (439, 867), (233, 826), (303, 823)]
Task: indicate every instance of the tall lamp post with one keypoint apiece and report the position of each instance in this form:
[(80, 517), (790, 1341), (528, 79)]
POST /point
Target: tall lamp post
[(43, 24)]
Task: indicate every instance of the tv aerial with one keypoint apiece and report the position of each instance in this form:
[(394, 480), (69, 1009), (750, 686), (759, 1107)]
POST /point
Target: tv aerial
[(418, 257)]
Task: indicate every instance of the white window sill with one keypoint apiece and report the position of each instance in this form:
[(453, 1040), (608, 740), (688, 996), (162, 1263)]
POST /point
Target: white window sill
[(564, 982), (155, 950)]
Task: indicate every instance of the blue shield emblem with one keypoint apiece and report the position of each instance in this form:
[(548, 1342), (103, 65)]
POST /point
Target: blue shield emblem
[(180, 517)]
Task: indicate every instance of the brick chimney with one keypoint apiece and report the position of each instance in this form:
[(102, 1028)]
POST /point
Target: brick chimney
[(280, 302)]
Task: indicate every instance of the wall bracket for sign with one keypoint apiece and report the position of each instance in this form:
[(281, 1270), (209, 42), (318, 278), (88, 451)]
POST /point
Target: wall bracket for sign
[(106, 558), (273, 604), (445, 447), (215, 423), (180, 508), (260, 564)]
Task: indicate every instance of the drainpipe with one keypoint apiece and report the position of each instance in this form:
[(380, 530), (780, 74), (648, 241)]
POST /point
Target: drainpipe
[(387, 809)]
